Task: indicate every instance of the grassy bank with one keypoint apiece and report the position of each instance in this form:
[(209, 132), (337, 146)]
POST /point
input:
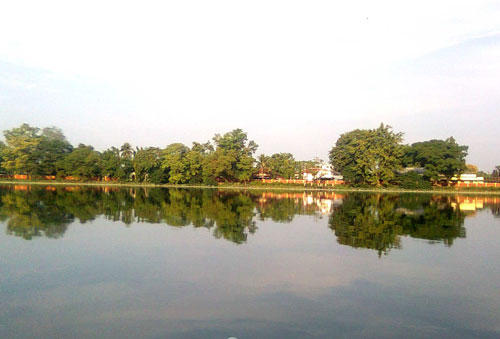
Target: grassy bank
[(260, 186)]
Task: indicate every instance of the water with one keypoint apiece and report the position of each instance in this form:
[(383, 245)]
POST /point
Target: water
[(158, 263)]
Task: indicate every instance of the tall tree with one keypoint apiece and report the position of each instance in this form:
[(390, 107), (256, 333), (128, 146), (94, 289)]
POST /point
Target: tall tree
[(368, 156), (282, 165), (52, 148), (147, 166), (22, 142), (196, 159), (438, 157), (115, 166), (262, 163), (127, 151), (174, 162), (233, 156)]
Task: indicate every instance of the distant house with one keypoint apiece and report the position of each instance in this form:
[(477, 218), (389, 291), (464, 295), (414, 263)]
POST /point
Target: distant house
[(308, 176), (262, 174), (467, 178), (325, 172)]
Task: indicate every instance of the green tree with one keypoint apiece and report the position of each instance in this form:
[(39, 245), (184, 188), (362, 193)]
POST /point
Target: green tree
[(147, 166), (368, 156), (84, 163), (218, 165), (52, 148), (22, 143), (282, 165), (175, 163), (33, 151), (127, 151), (411, 180), (233, 157), (263, 163), (194, 165), (114, 166), (437, 157)]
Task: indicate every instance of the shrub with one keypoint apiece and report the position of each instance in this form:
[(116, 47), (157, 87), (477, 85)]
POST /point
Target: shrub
[(411, 180)]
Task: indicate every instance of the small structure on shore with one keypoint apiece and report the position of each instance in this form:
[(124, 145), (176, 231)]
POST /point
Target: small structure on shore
[(262, 174), (325, 172), (467, 178)]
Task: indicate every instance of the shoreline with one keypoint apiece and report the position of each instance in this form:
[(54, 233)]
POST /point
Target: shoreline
[(251, 187)]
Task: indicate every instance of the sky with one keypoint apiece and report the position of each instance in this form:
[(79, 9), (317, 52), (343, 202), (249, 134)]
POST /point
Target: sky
[(294, 75)]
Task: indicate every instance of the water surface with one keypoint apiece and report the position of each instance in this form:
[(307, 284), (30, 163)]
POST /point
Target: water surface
[(169, 263)]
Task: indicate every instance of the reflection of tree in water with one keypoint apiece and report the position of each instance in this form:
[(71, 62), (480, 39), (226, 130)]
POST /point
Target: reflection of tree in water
[(495, 210), (35, 211), (230, 213), (82, 204), (279, 209), (118, 206), (33, 214), (233, 215), (361, 220), (378, 221), (366, 221), (435, 220)]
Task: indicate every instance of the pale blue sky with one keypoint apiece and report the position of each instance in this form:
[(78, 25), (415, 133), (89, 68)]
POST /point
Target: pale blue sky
[(293, 74)]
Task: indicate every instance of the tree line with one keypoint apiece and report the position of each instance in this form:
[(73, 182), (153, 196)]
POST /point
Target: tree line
[(364, 157), (229, 157), (378, 156), (46, 152)]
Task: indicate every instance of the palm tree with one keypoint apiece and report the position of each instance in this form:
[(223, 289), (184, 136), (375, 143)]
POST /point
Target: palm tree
[(263, 164), (127, 151)]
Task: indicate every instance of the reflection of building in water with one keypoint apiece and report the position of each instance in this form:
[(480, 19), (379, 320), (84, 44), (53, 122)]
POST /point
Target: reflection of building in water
[(322, 202), (471, 204)]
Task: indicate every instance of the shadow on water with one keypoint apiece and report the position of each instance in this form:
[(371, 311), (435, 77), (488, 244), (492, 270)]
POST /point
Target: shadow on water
[(373, 221)]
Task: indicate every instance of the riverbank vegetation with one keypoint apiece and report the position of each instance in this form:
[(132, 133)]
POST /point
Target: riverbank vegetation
[(365, 158)]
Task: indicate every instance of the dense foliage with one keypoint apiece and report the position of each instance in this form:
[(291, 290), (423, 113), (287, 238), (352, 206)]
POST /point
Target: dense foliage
[(37, 153), (411, 180), (438, 158), (364, 157), (33, 151), (368, 156)]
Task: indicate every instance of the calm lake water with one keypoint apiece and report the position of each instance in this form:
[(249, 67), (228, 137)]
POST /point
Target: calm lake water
[(169, 263)]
